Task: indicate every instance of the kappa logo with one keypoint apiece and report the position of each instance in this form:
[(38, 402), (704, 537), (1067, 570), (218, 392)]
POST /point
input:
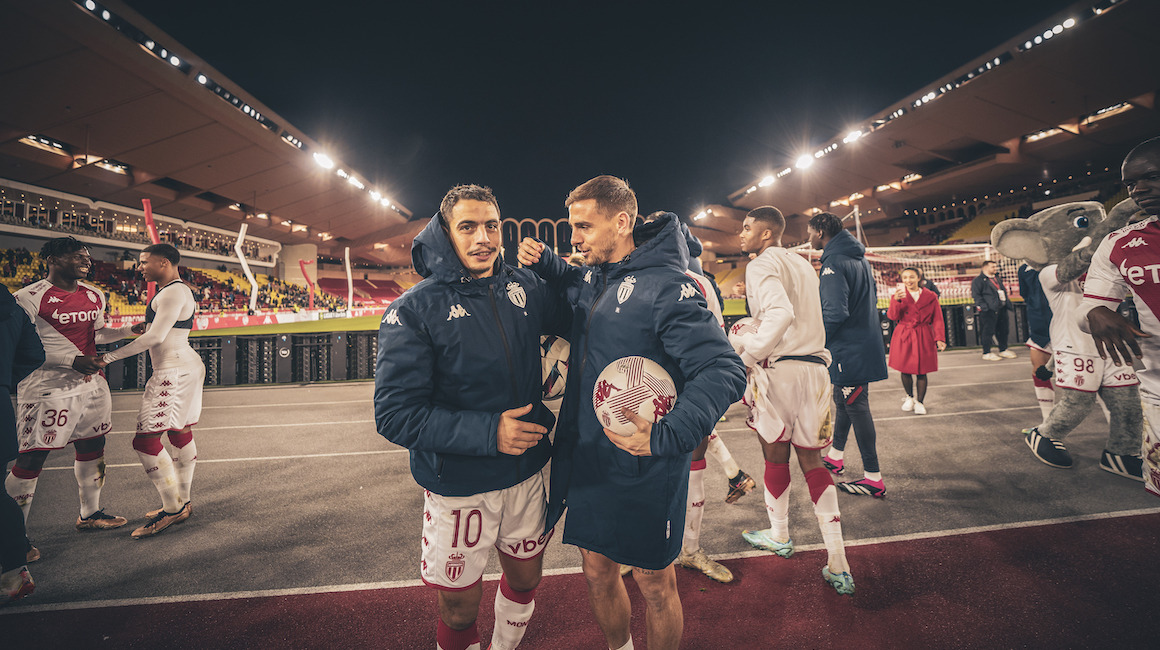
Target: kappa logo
[(392, 317), (52, 299), (516, 294), (161, 405), (457, 311), (166, 383), (827, 271), (1136, 243), (163, 393), (625, 289), (687, 291), (588, 276)]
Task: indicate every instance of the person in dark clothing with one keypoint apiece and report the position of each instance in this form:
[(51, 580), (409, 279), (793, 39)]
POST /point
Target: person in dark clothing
[(927, 283), (992, 303), (854, 338), (1039, 339), (21, 353)]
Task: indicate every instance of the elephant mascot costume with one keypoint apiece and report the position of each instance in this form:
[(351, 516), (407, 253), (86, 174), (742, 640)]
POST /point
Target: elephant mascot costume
[(1060, 241)]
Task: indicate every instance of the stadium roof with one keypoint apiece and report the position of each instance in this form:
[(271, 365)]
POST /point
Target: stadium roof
[(974, 130), (123, 112)]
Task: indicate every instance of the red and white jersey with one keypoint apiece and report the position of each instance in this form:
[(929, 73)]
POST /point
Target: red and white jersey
[(66, 323), (1128, 261), (710, 296), (1065, 298)]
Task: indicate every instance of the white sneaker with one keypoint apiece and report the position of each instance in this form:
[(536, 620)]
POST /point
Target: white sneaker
[(919, 409), (908, 403), (991, 356), (1007, 354)]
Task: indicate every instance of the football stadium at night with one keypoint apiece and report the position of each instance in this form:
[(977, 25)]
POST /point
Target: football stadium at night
[(334, 256)]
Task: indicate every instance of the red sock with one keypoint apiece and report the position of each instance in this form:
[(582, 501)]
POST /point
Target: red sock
[(449, 639), (776, 478), (818, 479)]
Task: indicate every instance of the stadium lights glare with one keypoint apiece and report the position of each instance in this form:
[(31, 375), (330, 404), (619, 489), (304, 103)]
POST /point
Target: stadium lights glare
[(262, 215), (90, 5), (751, 189), (851, 136), (375, 195), (385, 202), (175, 61), (766, 182), (202, 79), (804, 161), (356, 182), (342, 174), (700, 215), (323, 160)]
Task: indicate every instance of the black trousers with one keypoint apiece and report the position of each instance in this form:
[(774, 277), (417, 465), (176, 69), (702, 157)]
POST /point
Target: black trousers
[(993, 323)]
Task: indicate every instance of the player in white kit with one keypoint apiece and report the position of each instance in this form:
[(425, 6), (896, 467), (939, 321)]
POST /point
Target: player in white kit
[(66, 400), (789, 391), (1128, 260), (172, 400)]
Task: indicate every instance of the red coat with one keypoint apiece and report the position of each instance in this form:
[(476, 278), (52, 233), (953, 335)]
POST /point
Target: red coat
[(920, 324)]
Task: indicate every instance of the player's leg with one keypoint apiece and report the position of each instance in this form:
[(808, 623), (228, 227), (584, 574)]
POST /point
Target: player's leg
[(521, 542), (833, 458), (908, 387), (89, 470), (857, 405), (740, 483), (775, 538), (608, 598), (825, 499), (1002, 326), (664, 618), (15, 581), (20, 484), (692, 556), (158, 466), (457, 613), (986, 320), (184, 460)]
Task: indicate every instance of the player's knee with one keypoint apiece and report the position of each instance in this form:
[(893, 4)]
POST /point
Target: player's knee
[(148, 444), (458, 610), (31, 461), (90, 446), (181, 438), (657, 587), (527, 581)]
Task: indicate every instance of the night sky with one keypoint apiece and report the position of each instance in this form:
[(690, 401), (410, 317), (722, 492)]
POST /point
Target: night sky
[(532, 99)]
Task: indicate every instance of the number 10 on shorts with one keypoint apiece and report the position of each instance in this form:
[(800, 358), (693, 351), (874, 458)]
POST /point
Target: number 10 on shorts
[(472, 526)]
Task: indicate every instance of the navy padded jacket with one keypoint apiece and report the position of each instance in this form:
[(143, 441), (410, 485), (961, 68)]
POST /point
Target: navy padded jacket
[(850, 313)]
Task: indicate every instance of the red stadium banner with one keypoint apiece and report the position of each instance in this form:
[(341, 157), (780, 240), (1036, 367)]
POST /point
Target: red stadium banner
[(150, 288)]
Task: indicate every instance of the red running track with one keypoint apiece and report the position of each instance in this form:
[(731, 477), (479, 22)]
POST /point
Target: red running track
[(1086, 584)]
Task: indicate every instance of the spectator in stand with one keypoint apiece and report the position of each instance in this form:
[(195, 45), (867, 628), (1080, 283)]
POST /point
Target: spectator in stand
[(918, 337), (992, 303)]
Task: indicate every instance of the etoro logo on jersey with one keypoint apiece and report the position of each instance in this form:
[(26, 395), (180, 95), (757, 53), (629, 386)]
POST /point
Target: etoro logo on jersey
[(82, 316)]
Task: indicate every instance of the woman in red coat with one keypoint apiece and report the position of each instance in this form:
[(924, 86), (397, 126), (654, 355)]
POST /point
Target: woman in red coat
[(918, 337)]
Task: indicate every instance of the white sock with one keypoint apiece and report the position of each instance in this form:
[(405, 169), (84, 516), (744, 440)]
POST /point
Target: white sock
[(160, 470), (1046, 398), (720, 453), (184, 460), (830, 522), (694, 507), (627, 646), (21, 490), (90, 475), (511, 616), (835, 454), (873, 476)]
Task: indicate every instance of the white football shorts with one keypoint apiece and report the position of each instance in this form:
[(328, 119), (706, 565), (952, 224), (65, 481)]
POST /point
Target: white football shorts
[(53, 422), (172, 399), (1089, 373), (459, 532), (791, 401)]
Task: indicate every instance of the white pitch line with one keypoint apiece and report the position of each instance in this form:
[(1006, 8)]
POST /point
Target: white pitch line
[(262, 426), (256, 458), (917, 417), (262, 406), (491, 577)]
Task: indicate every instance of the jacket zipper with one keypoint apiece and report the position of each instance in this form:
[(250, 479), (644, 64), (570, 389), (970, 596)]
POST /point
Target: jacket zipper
[(588, 327), (506, 349)]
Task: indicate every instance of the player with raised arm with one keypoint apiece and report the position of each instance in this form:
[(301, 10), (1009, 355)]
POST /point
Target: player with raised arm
[(172, 399), (789, 390), (66, 400)]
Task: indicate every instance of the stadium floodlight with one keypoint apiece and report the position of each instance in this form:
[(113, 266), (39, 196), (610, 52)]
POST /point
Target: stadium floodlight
[(323, 160), (175, 61), (90, 5), (700, 215), (852, 136), (202, 79), (106, 15), (1058, 29), (766, 182), (385, 202), (1069, 23), (804, 161), (342, 173), (375, 195)]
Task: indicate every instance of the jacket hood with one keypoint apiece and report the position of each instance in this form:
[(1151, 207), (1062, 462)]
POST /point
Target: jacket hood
[(844, 243), (433, 255), (659, 243), (695, 247)]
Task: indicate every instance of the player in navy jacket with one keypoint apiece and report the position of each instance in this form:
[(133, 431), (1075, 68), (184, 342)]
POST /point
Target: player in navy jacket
[(626, 495), (458, 382)]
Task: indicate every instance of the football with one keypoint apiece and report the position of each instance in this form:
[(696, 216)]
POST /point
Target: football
[(747, 325), (636, 383), (554, 361)]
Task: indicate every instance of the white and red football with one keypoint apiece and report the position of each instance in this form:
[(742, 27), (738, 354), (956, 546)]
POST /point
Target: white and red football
[(554, 361), (743, 326), (636, 383)]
